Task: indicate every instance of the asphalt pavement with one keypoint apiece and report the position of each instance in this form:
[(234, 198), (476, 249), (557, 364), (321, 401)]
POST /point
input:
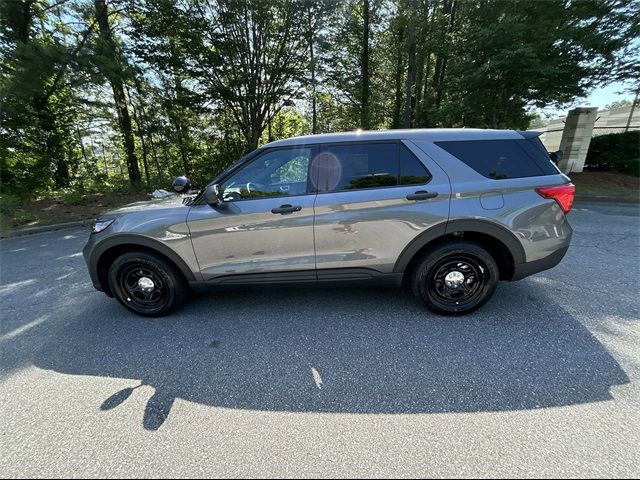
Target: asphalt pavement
[(541, 382)]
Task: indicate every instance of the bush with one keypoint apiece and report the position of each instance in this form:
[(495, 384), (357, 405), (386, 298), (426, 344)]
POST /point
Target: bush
[(69, 196), (11, 210), (616, 152)]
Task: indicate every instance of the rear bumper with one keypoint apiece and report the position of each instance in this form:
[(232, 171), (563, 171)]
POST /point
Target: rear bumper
[(529, 268)]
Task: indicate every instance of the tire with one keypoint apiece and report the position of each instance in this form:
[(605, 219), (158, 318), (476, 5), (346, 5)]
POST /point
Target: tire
[(147, 284), (456, 278)]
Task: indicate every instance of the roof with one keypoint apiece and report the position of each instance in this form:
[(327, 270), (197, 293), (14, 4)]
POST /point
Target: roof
[(424, 134)]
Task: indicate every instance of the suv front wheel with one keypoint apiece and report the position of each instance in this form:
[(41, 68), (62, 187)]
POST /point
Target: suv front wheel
[(455, 278), (146, 284)]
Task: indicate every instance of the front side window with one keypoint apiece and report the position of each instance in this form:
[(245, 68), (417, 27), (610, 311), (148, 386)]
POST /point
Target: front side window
[(275, 173)]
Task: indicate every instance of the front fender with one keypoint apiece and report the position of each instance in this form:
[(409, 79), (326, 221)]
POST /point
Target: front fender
[(179, 251)]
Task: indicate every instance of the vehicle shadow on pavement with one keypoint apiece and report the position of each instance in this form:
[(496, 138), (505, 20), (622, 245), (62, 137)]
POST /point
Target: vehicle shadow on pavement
[(340, 351)]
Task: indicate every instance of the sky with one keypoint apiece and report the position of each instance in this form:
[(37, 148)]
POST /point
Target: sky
[(599, 97), (605, 95)]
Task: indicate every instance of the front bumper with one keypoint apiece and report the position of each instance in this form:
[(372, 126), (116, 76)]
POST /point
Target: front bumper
[(93, 272)]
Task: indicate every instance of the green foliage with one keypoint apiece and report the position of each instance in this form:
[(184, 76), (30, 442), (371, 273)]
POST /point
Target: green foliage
[(537, 121), (205, 81), (618, 104), (287, 123), (69, 196), (504, 56), (616, 152), (12, 209)]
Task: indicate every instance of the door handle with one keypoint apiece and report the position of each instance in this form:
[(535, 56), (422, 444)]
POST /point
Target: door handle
[(284, 209), (422, 195)]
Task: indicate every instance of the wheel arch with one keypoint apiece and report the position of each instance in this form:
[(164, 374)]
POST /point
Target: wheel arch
[(494, 238), (108, 250)]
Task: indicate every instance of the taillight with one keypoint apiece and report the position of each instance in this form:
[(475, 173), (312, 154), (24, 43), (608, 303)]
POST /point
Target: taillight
[(563, 194)]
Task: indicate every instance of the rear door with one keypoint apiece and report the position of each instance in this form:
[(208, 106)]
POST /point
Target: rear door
[(373, 199)]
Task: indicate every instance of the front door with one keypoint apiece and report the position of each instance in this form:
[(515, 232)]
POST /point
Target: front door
[(263, 228)]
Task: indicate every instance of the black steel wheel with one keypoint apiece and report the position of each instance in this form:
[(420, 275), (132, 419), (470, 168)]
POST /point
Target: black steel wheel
[(455, 278), (146, 284)]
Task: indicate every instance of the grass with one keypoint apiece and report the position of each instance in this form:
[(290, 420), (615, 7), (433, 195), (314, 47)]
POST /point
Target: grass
[(65, 206), (606, 185)]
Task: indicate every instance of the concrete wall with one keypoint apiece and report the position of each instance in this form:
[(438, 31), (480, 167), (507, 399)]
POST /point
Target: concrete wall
[(576, 137)]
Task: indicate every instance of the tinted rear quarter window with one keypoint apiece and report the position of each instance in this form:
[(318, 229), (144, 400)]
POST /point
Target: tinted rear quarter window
[(500, 159), (412, 171)]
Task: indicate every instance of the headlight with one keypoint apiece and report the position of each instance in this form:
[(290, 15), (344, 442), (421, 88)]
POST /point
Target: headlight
[(100, 225)]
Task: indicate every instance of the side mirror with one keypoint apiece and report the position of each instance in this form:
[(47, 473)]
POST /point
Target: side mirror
[(212, 195), (181, 185), (556, 156)]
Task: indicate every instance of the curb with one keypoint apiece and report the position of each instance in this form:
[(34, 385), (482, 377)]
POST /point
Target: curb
[(19, 232)]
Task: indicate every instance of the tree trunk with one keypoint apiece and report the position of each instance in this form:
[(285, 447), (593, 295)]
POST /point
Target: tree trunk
[(395, 122), (82, 149), (409, 97), (136, 118), (25, 24), (155, 155), (145, 119), (181, 143), (253, 135), (364, 63), (312, 66), (418, 86), (441, 63), (427, 71), (115, 78), (178, 113)]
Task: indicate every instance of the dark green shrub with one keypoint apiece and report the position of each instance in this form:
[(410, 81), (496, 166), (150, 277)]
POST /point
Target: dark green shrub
[(12, 209), (616, 152), (69, 196)]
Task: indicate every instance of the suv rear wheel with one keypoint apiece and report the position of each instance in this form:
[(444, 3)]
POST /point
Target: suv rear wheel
[(146, 284), (455, 278)]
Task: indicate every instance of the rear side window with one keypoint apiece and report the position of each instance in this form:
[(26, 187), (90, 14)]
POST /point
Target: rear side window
[(359, 166), (412, 171), (500, 159), (368, 165)]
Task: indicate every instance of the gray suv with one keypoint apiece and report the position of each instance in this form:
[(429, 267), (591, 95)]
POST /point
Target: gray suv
[(449, 212)]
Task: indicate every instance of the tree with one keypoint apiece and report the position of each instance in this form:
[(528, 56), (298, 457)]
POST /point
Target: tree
[(397, 38), (250, 56), (353, 57), (513, 55), (618, 104), (411, 63), (36, 93), (88, 87), (365, 71), (160, 30), (111, 64)]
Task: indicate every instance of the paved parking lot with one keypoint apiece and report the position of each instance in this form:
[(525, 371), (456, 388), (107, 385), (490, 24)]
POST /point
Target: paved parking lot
[(543, 381)]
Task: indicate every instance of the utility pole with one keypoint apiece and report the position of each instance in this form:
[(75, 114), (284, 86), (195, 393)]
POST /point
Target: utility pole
[(633, 107)]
